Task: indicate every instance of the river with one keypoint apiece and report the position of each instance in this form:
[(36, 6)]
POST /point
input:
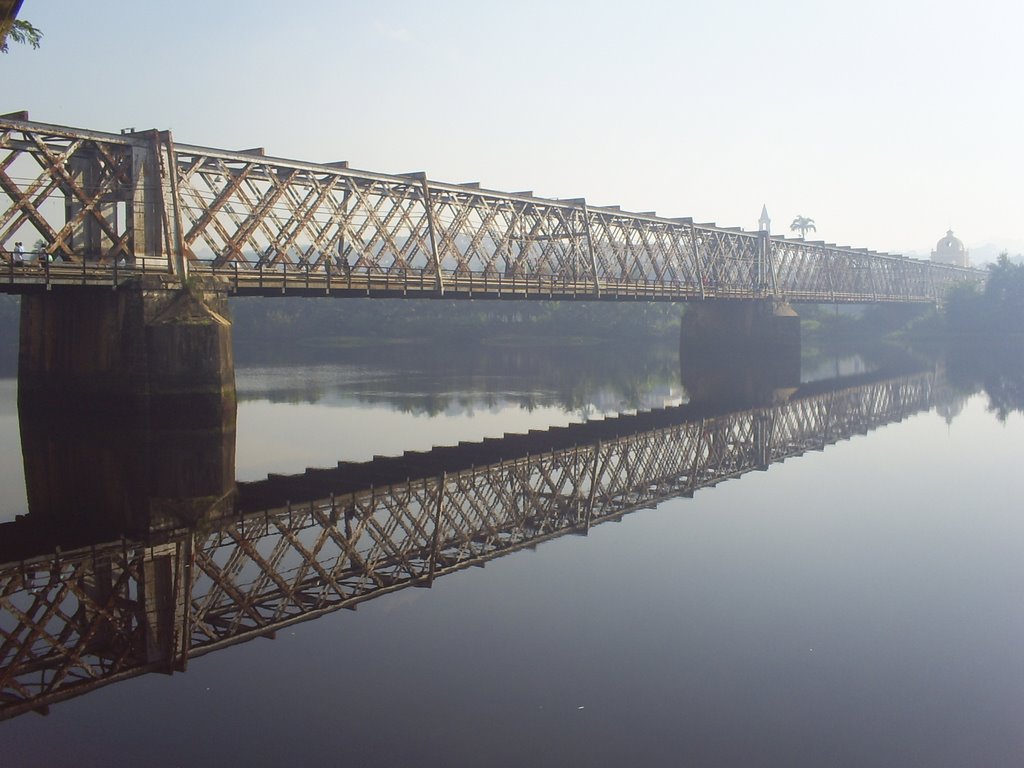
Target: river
[(821, 570)]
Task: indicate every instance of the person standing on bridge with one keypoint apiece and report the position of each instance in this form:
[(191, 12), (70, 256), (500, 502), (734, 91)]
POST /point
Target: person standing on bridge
[(19, 253)]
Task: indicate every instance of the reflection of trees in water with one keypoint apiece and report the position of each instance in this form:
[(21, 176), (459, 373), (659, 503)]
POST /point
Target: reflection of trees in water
[(433, 379), (454, 378), (997, 371), (1005, 393)]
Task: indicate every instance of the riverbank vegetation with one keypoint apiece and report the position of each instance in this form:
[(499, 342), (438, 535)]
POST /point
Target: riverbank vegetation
[(847, 328), (993, 313), (353, 322), (972, 368), (989, 315), (437, 377)]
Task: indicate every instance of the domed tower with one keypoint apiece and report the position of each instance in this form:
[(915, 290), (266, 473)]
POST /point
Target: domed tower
[(950, 250)]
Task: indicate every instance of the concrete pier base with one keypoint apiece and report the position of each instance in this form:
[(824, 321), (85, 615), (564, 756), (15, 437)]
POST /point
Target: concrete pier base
[(127, 407), (766, 325), (152, 351), (740, 351)]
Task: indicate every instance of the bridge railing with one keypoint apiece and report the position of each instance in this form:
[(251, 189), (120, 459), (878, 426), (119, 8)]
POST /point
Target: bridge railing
[(304, 279), (370, 281), (37, 272)]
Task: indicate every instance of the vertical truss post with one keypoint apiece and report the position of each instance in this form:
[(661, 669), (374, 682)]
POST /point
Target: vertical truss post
[(830, 273), (341, 259), (773, 267), (176, 262), (183, 600), (871, 279), (762, 439), (696, 258), (145, 213), (595, 479), (431, 230), (590, 249), (163, 607), (764, 256), (438, 512)]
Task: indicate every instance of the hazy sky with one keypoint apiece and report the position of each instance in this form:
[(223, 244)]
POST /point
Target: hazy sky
[(886, 122)]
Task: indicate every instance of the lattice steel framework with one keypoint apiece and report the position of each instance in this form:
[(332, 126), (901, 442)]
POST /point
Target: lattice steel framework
[(70, 623), (78, 620), (268, 226)]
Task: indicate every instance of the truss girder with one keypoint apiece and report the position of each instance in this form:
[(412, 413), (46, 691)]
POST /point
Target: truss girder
[(383, 225), (81, 193)]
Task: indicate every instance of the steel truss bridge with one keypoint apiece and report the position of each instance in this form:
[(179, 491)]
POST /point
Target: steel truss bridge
[(72, 621), (108, 207)]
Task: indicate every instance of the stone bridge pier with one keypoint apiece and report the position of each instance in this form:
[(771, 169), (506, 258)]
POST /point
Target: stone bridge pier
[(127, 405), (155, 351), (765, 326)]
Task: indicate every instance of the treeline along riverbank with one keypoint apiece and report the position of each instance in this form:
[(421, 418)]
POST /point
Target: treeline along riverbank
[(354, 321)]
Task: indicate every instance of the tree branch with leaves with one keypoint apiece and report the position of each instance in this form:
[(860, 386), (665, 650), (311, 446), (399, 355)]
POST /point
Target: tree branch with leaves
[(18, 31)]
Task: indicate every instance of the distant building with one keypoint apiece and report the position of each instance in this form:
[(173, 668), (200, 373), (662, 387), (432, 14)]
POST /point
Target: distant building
[(764, 224), (950, 250)]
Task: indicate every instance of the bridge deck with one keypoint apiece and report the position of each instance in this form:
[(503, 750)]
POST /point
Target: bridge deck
[(411, 283)]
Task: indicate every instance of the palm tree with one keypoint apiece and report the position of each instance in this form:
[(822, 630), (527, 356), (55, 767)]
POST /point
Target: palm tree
[(802, 224)]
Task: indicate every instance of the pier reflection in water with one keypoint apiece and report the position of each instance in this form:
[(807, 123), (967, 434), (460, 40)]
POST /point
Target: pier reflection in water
[(142, 573)]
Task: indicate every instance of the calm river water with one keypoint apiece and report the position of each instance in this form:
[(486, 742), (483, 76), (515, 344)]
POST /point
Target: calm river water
[(859, 603)]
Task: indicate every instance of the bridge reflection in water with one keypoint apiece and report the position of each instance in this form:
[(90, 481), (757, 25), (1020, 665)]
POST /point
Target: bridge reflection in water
[(230, 563)]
